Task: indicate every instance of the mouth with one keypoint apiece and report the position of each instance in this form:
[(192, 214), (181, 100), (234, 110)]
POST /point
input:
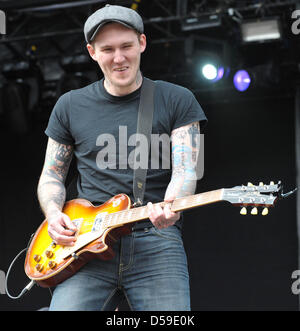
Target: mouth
[(121, 69)]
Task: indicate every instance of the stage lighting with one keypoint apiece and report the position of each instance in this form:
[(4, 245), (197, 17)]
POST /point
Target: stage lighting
[(220, 74), (241, 80), (209, 71), (203, 22), (212, 72), (261, 30)]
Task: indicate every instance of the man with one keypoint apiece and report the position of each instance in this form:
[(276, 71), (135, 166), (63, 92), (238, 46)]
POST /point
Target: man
[(150, 266)]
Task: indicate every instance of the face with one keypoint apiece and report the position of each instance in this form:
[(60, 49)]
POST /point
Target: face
[(117, 50)]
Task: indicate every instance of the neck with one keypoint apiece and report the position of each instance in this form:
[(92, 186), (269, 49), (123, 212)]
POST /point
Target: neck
[(119, 90)]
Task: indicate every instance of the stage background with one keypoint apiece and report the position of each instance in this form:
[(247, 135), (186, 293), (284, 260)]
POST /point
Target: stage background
[(236, 262)]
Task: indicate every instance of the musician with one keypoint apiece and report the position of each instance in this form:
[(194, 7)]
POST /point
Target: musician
[(150, 265)]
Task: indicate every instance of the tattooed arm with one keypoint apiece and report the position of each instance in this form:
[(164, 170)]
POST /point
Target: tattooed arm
[(52, 192), (185, 150)]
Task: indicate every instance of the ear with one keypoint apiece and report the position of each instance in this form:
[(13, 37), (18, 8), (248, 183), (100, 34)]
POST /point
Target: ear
[(91, 51), (143, 42)]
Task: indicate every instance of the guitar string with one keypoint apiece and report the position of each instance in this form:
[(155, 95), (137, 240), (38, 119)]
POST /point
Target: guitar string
[(138, 211)]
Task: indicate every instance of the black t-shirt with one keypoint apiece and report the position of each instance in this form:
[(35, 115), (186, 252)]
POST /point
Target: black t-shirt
[(99, 125)]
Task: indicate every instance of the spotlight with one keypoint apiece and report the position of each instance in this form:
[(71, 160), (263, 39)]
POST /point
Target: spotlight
[(209, 71), (212, 72), (261, 30), (241, 80)]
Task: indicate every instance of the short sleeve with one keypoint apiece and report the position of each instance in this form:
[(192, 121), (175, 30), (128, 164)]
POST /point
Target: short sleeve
[(59, 122), (186, 109)]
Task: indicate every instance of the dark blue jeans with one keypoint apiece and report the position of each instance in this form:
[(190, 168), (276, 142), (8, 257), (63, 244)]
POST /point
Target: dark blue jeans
[(150, 267)]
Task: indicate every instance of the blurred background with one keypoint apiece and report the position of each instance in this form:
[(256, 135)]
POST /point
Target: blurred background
[(241, 60)]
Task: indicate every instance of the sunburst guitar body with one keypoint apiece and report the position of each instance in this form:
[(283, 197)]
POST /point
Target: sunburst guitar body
[(50, 264)]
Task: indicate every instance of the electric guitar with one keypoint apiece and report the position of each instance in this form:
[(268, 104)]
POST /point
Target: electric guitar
[(98, 227)]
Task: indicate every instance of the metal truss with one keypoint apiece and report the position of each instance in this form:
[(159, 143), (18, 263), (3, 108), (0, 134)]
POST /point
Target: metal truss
[(53, 30), (162, 17)]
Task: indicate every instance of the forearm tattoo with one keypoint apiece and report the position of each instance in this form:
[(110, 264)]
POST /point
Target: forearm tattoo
[(185, 150), (51, 189)]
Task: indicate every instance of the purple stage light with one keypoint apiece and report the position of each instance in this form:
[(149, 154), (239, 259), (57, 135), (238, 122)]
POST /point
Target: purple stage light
[(241, 80), (220, 74)]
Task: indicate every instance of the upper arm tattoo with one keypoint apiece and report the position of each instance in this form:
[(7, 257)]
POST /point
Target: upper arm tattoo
[(51, 189), (58, 159), (185, 150)]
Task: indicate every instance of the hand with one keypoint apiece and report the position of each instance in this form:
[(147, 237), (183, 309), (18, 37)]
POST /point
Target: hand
[(61, 229), (162, 217)]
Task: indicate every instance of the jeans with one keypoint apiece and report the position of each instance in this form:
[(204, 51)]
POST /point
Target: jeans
[(150, 268)]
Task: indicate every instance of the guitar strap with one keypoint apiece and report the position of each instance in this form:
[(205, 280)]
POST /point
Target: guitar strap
[(144, 127)]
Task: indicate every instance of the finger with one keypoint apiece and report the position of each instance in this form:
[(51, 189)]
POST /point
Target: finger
[(150, 207), (60, 235), (167, 210), (153, 211), (68, 233), (152, 214), (170, 198), (61, 239), (69, 225), (159, 213), (59, 229), (65, 240)]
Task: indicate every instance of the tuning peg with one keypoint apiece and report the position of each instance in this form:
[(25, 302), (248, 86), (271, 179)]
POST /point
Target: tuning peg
[(261, 184), (265, 211), (254, 211), (271, 183), (250, 184), (243, 211)]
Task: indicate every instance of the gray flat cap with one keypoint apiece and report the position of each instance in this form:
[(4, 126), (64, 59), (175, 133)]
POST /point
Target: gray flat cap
[(110, 13)]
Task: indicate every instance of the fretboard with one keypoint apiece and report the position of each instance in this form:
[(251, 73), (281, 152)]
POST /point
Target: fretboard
[(140, 213)]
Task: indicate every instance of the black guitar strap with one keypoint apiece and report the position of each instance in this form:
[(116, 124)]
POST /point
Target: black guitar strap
[(144, 127)]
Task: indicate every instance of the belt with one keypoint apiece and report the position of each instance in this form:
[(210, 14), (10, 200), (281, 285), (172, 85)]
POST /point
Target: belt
[(142, 225)]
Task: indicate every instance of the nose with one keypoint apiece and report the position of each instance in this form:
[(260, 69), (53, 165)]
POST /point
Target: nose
[(118, 56)]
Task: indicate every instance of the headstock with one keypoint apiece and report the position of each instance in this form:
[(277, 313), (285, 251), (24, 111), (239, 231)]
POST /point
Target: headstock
[(262, 195)]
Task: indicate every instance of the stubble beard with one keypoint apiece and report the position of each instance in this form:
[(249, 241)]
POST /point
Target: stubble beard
[(137, 81)]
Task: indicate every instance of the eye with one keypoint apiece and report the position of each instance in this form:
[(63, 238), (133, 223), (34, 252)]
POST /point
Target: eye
[(106, 50)]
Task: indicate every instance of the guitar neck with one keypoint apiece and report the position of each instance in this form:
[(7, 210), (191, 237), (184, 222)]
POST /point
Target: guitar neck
[(140, 213)]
